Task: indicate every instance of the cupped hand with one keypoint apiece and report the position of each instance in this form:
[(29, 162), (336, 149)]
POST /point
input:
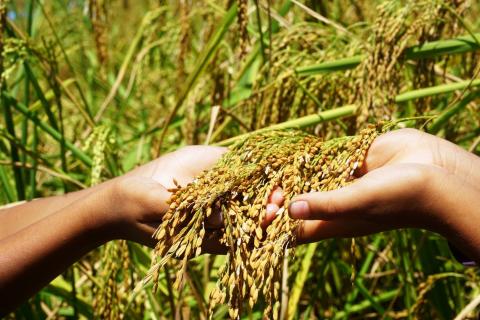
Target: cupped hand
[(409, 179), (139, 198)]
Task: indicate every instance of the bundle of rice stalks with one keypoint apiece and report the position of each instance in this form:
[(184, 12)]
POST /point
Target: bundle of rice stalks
[(280, 94), (397, 27), (238, 187)]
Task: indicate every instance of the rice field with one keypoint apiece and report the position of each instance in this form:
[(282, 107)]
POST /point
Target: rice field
[(92, 89)]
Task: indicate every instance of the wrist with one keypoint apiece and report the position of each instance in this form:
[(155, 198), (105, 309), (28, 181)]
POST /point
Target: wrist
[(133, 205), (103, 220)]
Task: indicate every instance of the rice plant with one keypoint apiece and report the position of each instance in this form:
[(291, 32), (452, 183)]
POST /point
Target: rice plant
[(92, 88)]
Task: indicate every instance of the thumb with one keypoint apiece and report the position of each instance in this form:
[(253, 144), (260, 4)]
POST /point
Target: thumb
[(329, 205), (384, 189)]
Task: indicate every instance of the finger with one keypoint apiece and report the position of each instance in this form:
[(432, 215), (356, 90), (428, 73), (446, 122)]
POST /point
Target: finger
[(275, 201), (387, 190), (211, 244), (276, 197), (215, 220), (194, 159), (316, 230), (333, 204), (144, 235), (271, 213), (377, 155)]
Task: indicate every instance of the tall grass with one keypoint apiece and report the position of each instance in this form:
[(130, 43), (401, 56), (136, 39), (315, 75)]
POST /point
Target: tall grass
[(58, 93)]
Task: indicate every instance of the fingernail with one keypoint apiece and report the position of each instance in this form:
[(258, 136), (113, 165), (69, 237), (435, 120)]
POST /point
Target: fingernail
[(271, 208), (299, 209)]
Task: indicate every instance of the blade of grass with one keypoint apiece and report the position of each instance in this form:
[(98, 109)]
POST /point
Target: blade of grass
[(435, 90), (260, 31), (446, 114), (39, 92), (48, 129), (382, 297), (7, 188), (406, 272), (24, 134), (363, 290), (40, 164), (62, 290), (46, 170), (67, 60), (146, 21), (14, 154), (15, 31), (26, 101), (33, 172), (429, 253), (363, 270)]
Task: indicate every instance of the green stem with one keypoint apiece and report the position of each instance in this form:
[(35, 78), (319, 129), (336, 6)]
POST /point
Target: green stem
[(6, 185), (330, 66), (14, 154), (363, 270), (300, 280), (426, 50), (349, 110), (432, 91), (302, 122), (33, 173)]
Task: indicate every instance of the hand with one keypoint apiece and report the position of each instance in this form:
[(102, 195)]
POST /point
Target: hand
[(409, 179), (37, 249), (139, 198)]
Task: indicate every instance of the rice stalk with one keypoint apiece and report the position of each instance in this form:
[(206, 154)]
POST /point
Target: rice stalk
[(98, 13), (242, 17), (396, 26), (349, 110), (111, 296), (238, 187), (184, 42), (207, 54)]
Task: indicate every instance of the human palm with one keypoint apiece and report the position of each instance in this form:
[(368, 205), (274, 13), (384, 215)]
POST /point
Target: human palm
[(142, 194)]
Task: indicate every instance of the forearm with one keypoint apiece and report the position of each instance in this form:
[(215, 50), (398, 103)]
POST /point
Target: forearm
[(34, 256), (14, 219)]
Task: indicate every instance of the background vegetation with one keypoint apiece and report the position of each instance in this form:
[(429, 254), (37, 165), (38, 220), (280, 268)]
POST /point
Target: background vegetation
[(91, 89)]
